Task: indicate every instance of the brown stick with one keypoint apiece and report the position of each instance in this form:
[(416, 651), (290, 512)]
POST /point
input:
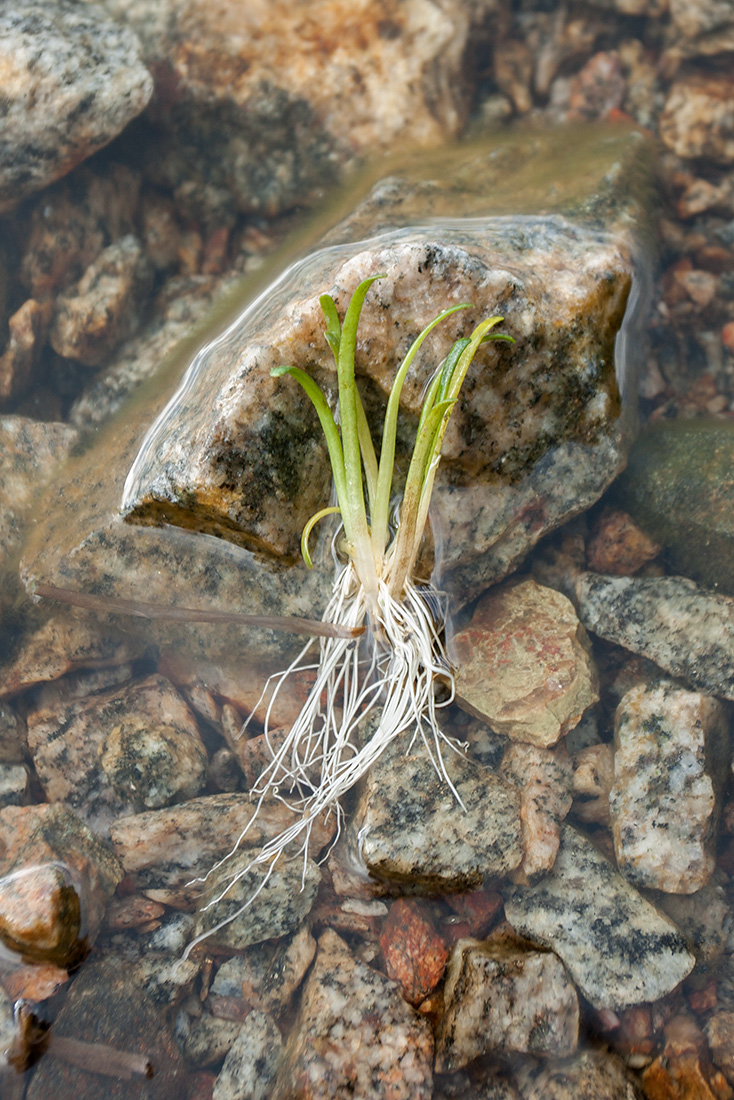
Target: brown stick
[(312, 627), (98, 1058)]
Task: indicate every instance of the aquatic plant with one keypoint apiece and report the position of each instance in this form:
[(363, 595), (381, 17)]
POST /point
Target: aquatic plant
[(368, 691)]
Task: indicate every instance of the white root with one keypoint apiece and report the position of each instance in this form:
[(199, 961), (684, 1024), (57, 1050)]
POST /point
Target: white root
[(394, 668)]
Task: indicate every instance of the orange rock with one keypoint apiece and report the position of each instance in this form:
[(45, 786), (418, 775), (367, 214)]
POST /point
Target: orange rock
[(617, 545), (415, 954)]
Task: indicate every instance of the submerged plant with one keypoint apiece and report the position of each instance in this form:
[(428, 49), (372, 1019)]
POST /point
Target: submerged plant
[(392, 670)]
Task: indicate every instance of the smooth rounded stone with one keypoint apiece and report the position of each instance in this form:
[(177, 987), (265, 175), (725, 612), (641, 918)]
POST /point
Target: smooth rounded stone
[(523, 664), (698, 119), (543, 778), (71, 81), (27, 330), (102, 309), (106, 1007), (409, 827), (56, 880), (679, 486), (122, 752), (671, 748), (704, 918), (347, 1007), (63, 645), (589, 1075), (501, 998), (618, 948), (267, 901), (204, 1039), (271, 100), (164, 850), (31, 453), (252, 1063), (685, 630), (14, 784)]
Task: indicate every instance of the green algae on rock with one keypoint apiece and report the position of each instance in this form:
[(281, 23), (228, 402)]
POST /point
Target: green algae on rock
[(679, 486)]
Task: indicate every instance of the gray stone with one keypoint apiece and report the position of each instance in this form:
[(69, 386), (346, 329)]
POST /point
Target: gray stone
[(122, 752), (590, 1075), (460, 1086), (102, 309), (523, 663), (14, 782), (12, 736), (501, 998), (204, 1039), (704, 918), (166, 981), (409, 826), (618, 948), (252, 1062), (679, 487), (246, 902), (685, 630), (107, 1006), (71, 80), (671, 751), (347, 1007)]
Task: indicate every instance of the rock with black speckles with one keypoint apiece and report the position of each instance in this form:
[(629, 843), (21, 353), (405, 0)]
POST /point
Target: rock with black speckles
[(204, 1039), (410, 828), (252, 1062), (619, 949), (266, 901), (705, 919), (122, 752), (590, 1075), (502, 998), (71, 81), (671, 752), (684, 629), (348, 1007), (543, 778)]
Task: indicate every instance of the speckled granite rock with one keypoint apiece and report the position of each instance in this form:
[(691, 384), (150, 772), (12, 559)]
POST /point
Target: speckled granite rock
[(543, 778), (590, 1075), (346, 1006), (71, 80), (685, 630), (619, 950), (204, 1039), (254, 909), (680, 488), (698, 120), (57, 878), (163, 850), (31, 453), (14, 784), (102, 309), (137, 748), (523, 664), (106, 1005), (62, 645), (503, 999), (408, 826), (704, 918), (267, 976), (258, 105), (671, 751), (252, 1062)]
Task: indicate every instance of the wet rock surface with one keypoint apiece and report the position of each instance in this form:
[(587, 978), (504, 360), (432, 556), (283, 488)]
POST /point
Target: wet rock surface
[(71, 80), (409, 826), (619, 950), (543, 778), (56, 878), (671, 748), (524, 663), (501, 997), (252, 1062), (684, 629), (134, 749), (346, 1005), (591, 1073), (679, 486)]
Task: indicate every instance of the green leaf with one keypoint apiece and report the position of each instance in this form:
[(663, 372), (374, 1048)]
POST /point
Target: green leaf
[(333, 331), (309, 528)]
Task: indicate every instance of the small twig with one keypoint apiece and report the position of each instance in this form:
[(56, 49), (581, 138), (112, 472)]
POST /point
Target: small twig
[(98, 1058), (311, 627)]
